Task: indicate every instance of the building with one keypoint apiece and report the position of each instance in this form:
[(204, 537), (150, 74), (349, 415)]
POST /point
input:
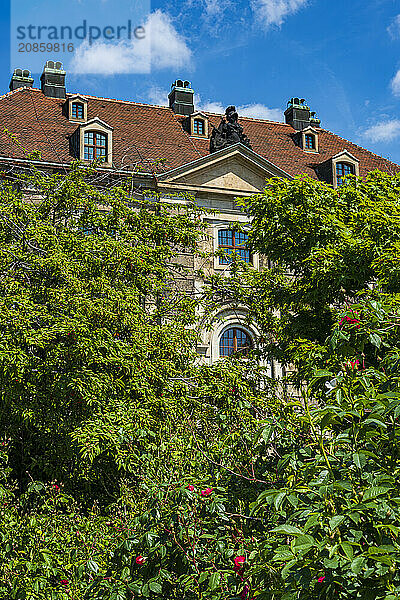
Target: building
[(167, 149)]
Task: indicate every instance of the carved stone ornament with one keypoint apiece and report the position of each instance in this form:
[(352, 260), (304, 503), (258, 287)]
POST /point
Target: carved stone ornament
[(228, 132)]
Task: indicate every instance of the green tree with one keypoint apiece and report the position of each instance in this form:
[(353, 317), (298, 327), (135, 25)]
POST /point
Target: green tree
[(330, 306), (92, 325), (326, 246), (127, 469)]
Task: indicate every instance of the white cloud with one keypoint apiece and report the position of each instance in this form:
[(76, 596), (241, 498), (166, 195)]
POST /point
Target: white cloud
[(259, 111), (274, 12), (394, 27), (256, 111), (395, 84), (212, 107), (383, 132), (215, 8), (157, 95), (111, 59), (162, 48), (169, 50)]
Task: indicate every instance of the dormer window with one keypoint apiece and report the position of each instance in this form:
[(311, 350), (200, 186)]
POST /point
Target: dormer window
[(344, 164), (342, 171), (199, 127), (77, 111), (309, 139), (95, 146), (76, 107), (93, 141)]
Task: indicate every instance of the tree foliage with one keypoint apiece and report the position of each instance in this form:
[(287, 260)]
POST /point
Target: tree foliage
[(129, 469)]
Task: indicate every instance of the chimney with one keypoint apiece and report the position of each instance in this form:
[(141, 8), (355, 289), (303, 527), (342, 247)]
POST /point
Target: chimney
[(314, 121), (53, 80), (181, 98), (21, 78), (298, 114)]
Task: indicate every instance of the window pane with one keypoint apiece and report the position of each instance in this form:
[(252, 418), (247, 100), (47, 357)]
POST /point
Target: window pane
[(310, 141), (240, 238), (77, 110), (95, 145), (343, 169), (226, 345), (233, 241), (198, 127), (243, 340), (225, 237), (234, 340)]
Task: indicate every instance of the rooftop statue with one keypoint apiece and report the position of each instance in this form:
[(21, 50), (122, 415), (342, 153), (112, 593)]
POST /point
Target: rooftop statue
[(228, 132)]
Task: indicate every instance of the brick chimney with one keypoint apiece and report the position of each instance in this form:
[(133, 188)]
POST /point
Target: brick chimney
[(53, 80), (181, 98), (21, 78)]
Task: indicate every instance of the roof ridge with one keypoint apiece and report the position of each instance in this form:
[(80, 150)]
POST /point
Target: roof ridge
[(20, 89), (70, 94), (117, 100)]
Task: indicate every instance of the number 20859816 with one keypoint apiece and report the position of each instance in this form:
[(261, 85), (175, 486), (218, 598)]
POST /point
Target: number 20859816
[(42, 47)]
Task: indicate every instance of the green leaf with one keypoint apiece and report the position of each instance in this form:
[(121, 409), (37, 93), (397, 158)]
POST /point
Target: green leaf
[(203, 576), (155, 587), (331, 563), (267, 433), (279, 498), (92, 566), (214, 581), (311, 522), (323, 373), (347, 549), (287, 567), (359, 460), (336, 521), (357, 564), (375, 340), (374, 492), (302, 543), (287, 530)]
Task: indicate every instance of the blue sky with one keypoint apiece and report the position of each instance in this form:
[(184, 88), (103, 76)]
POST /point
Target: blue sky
[(342, 56)]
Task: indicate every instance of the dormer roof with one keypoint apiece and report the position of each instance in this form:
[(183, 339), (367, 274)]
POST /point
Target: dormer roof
[(153, 138)]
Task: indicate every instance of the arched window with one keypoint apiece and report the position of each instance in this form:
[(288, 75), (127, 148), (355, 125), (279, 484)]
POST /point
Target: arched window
[(309, 141), (233, 241), (77, 111), (95, 146), (234, 340), (342, 170)]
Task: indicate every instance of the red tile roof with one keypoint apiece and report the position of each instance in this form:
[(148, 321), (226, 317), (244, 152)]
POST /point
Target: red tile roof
[(144, 134)]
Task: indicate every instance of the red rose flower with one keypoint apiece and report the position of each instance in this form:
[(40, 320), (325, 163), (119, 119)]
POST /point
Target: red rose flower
[(207, 492), (140, 560), (239, 560), (64, 582), (190, 488)]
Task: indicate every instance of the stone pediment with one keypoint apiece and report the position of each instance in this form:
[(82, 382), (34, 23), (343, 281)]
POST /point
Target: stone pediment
[(235, 170)]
